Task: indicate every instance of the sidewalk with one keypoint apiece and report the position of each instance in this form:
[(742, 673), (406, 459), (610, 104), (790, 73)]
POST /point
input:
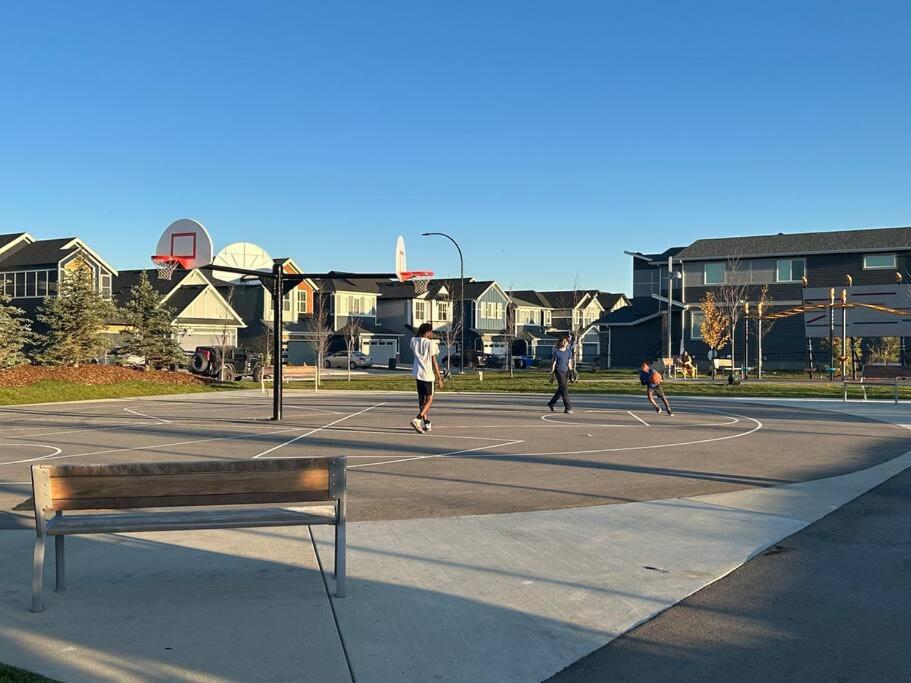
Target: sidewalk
[(513, 597)]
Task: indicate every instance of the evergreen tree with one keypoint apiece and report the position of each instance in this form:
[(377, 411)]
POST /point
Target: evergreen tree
[(150, 333), (15, 333), (75, 319)]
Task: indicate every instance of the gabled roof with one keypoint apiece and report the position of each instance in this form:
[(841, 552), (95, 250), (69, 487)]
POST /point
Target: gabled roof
[(40, 253), (473, 288), (641, 308), (343, 284), (8, 240), (530, 297), (609, 300), (126, 279), (405, 290), (796, 244)]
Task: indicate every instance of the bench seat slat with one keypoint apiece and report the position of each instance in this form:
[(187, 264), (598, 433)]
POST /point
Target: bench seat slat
[(126, 503), (201, 483), (188, 520)]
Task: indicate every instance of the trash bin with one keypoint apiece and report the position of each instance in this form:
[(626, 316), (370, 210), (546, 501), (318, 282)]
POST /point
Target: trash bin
[(392, 363)]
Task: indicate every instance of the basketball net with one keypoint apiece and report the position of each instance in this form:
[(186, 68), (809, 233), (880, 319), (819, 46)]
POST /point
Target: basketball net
[(166, 265), (420, 279)]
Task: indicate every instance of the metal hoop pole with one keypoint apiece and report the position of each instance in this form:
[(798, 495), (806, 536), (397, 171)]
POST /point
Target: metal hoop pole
[(461, 296)]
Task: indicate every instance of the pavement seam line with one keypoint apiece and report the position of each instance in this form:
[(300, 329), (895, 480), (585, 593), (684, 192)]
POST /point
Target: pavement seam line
[(338, 627)]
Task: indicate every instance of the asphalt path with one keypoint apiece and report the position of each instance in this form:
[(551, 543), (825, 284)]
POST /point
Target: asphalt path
[(487, 453), (829, 603)]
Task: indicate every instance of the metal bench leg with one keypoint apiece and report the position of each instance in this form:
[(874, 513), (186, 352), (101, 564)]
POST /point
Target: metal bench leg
[(38, 575), (340, 524), (60, 560)]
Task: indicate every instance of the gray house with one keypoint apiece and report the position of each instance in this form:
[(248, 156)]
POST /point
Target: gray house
[(402, 310), (484, 316)]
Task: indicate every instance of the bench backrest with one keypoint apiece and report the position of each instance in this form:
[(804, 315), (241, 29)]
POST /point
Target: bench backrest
[(668, 362), (879, 371), (723, 363), (180, 484)]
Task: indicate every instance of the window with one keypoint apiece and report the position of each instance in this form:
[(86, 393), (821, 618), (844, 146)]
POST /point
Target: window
[(20, 285), (301, 301), (548, 317), (695, 324), (499, 313), (52, 283), (6, 285), (790, 269), (286, 303), (442, 311), (877, 261), (106, 286), (42, 283), (713, 274), (419, 312)]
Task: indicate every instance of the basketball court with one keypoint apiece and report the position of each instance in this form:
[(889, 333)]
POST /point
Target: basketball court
[(487, 453)]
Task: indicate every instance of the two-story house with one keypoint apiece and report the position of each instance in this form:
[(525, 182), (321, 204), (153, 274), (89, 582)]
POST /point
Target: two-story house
[(30, 269), (402, 310), (534, 334), (343, 301), (202, 316), (792, 268), (484, 314)]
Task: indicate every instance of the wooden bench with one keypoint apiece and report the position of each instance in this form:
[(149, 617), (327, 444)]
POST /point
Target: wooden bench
[(879, 374), (62, 488), (670, 366), (723, 364)]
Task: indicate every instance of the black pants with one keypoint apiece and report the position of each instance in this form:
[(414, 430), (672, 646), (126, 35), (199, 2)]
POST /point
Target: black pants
[(562, 391)]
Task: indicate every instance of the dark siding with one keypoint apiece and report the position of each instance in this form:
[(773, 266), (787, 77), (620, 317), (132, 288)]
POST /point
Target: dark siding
[(829, 270)]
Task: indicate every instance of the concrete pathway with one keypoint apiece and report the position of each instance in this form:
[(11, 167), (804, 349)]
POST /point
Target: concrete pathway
[(512, 597)]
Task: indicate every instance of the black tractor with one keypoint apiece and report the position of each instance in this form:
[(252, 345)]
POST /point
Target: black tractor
[(227, 363)]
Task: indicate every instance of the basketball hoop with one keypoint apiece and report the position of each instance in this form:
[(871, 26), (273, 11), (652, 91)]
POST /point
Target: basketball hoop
[(167, 264), (419, 278)]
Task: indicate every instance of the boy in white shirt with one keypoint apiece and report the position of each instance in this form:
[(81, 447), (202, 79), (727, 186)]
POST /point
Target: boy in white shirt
[(425, 368)]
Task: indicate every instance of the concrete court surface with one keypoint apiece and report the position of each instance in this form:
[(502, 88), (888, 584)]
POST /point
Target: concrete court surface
[(508, 597)]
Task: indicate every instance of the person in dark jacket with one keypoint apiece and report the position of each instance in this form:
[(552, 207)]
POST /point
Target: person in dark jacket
[(561, 367)]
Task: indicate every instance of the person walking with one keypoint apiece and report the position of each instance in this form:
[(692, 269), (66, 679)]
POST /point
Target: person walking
[(560, 368), (653, 380), (425, 369)]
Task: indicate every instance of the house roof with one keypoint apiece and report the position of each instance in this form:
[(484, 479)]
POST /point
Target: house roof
[(565, 298), (126, 279), (9, 238), (609, 300), (529, 297), (39, 253), (872, 239), (405, 290), (183, 297), (473, 288), (344, 284), (640, 308)]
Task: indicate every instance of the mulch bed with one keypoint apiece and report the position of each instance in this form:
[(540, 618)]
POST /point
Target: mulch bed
[(92, 374)]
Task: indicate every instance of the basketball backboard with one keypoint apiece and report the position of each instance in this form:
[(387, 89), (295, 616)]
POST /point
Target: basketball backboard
[(186, 240), (241, 255), (420, 278)]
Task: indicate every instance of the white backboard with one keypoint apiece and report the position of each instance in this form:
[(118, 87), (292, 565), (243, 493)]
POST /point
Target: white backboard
[(244, 255), (187, 239)]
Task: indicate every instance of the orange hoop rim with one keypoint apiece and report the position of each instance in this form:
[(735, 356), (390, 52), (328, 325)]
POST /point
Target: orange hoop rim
[(416, 274), (164, 259)]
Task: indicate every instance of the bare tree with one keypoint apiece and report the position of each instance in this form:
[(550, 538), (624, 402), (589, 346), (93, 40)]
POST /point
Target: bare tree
[(451, 333), (575, 326), (225, 339), (760, 325), (321, 333), (352, 335), (732, 295)]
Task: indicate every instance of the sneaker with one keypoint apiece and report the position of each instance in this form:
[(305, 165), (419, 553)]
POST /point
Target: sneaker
[(670, 413), (658, 410), (417, 425), (551, 406), (427, 426), (568, 411)]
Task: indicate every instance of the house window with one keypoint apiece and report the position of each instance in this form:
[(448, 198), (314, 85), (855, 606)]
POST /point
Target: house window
[(52, 283), (790, 269), (879, 261), (20, 285), (419, 312), (696, 324), (713, 274), (42, 283), (499, 306), (106, 285), (301, 301), (286, 303), (6, 285), (548, 317), (442, 312)]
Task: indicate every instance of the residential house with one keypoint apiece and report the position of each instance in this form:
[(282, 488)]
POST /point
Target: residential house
[(344, 301), (202, 316), (873, 258), (402, 310), (30, 269), (535, 336), (576, 312), (484, 313)]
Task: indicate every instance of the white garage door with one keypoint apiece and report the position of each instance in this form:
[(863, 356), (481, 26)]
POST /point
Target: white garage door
[(380, 350), (495, 348)]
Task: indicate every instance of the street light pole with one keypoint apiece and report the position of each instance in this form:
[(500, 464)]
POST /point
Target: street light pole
[(461, 297)]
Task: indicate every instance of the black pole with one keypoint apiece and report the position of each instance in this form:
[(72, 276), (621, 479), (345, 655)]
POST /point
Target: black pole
[(831, 367), (461, 297), (277, 272)]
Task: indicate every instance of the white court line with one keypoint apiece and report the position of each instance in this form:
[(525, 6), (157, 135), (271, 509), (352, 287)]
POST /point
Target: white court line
[(319, 410), (161, 420), (56, 450), (638, 418), (314, 431), (436, 455), (147, 448)]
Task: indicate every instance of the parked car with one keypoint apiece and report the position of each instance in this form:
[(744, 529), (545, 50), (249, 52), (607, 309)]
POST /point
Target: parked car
[(117, 356), (473, 359), (227, 364), (495, 361), (339, 359)]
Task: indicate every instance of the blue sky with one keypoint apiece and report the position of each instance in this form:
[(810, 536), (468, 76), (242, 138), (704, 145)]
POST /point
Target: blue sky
[(546, 137)]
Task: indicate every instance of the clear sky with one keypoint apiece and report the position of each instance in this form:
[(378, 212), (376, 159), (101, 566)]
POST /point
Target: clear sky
[(547, 137)]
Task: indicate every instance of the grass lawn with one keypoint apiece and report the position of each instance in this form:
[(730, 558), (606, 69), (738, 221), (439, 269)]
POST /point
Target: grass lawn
[(9, 674), (617, 383), (50, 391)]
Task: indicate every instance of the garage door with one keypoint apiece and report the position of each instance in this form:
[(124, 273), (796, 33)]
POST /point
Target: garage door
[(589, 351), (380, 350), (189, 342), (495, 348)]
